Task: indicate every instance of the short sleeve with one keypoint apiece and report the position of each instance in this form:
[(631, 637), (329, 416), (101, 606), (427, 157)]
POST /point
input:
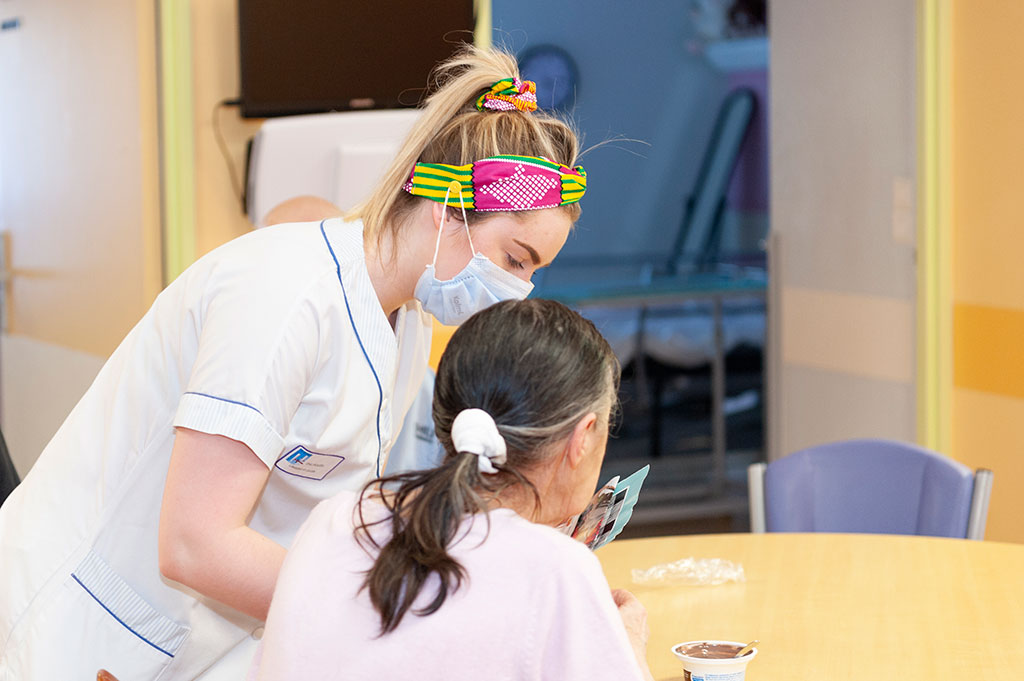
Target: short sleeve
[(582, 635), (259, 343)]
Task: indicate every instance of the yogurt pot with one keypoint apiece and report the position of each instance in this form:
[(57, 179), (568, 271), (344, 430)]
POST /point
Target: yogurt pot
[(713, 660)]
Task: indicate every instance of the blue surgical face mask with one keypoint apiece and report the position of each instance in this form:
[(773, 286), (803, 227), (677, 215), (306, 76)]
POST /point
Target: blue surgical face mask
[(479, 285)]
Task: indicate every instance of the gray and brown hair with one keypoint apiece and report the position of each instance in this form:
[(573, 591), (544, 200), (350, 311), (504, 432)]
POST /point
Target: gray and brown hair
[(537, 368)]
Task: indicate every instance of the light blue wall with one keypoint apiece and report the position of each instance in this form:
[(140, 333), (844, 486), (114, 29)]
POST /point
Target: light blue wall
[(637, 80)]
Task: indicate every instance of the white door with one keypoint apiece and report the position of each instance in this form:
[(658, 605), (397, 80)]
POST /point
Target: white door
[(843, 108), (79, 200)]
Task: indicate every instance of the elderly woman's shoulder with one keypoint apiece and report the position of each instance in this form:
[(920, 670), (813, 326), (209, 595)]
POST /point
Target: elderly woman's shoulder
[(541, 544)]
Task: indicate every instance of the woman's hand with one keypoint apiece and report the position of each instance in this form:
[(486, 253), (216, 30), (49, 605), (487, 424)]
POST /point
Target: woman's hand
[(634, 617)]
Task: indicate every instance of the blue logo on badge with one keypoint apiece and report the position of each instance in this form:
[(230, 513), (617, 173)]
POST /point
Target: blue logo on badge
[(298, 456)]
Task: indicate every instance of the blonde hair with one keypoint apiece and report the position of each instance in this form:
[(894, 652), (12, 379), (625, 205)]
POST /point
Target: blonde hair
[(452, 130)]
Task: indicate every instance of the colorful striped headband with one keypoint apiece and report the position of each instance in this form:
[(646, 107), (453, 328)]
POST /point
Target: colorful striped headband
[(501, 183), (509, 94)]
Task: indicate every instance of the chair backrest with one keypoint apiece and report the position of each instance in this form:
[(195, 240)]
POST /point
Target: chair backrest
[(8, 473), (872, 486)]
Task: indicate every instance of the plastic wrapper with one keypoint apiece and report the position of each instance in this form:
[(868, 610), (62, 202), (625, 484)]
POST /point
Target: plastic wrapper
[(691, 572)]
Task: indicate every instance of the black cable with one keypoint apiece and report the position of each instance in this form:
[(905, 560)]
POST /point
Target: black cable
[(236, 185)]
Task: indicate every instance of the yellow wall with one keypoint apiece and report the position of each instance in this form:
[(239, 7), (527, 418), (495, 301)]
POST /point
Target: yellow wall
[(219, 216), (988, 276)]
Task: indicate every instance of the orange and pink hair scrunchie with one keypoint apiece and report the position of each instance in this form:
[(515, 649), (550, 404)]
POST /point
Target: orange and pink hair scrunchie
[(509, 94)]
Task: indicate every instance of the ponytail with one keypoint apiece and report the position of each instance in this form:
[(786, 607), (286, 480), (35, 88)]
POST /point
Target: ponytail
[(424, 515)]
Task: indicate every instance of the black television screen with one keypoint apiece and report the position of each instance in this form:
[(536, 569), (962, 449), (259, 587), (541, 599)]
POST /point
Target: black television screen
[(334, 55)]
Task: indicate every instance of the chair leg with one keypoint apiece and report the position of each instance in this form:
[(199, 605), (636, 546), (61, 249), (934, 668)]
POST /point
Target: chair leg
[(755, 494), (979, 504)]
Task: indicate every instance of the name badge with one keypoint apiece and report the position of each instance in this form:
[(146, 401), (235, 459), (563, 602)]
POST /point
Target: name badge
[(306, 464)]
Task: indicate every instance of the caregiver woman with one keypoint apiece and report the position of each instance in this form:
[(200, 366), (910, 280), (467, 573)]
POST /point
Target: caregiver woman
[(272, 374)]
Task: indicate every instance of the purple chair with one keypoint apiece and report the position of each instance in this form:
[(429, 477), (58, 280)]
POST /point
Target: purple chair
[(869, 486)]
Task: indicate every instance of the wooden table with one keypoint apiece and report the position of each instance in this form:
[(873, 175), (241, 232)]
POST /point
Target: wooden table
[(831, 607)]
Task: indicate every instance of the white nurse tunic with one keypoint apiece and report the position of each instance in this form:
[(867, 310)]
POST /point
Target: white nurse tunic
[(277, 340)]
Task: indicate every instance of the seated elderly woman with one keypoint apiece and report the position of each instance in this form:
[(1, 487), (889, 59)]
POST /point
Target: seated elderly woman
[(457, 572)]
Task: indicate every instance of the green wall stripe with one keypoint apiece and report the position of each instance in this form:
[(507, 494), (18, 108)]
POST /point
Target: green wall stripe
[(934, 248), (482, 34), (177, 138)]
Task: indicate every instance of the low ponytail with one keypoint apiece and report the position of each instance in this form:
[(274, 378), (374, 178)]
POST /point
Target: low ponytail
[(424, 514)]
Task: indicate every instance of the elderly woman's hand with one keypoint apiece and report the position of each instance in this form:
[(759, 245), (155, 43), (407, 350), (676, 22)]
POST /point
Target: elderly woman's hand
[(634, 617)]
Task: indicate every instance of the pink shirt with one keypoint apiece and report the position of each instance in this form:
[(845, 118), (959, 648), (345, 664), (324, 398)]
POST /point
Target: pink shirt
[(536, 606)]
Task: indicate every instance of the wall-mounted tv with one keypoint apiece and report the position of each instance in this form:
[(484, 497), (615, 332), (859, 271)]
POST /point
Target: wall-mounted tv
[(337, 55)]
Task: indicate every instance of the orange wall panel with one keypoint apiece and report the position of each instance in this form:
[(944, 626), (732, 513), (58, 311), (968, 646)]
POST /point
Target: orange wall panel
[(988, 279)]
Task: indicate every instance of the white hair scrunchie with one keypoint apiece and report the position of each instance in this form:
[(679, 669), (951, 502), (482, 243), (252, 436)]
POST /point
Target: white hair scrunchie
[(475, 432)]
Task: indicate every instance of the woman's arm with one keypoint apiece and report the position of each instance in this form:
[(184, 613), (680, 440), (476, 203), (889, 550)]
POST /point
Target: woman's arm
[(213, 484)]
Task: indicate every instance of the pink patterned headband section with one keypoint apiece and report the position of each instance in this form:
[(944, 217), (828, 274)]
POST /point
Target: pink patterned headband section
[(500, 183)]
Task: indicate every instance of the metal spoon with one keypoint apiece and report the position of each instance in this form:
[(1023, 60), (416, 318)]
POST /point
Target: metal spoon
[(747, 648)]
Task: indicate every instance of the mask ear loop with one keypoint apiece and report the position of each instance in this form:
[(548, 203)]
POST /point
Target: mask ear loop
[(455, 186)]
